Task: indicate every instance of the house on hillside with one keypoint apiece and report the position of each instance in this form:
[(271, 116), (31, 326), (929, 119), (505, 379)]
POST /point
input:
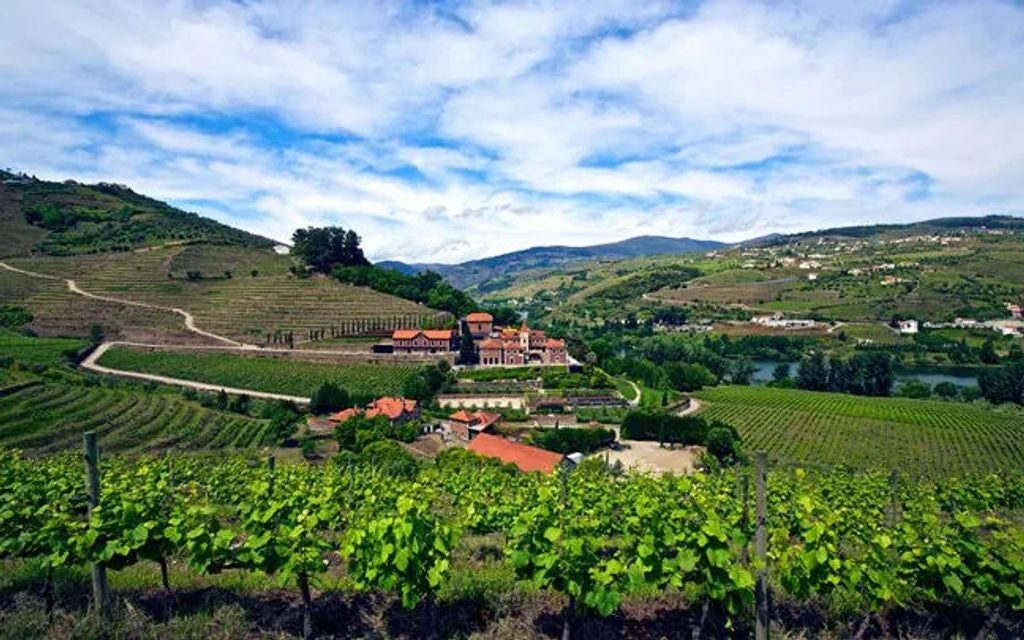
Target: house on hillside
[(467, 426), (906, 327), (423, 341), (525, 457), (396, 410)]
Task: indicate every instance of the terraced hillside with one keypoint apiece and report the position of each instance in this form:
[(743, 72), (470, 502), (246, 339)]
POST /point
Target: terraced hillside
[(922, 437), (244, 293), (58, 312), (51, 416)]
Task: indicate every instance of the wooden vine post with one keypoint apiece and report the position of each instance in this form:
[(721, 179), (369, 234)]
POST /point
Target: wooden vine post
[(100, 594), (761, 548)]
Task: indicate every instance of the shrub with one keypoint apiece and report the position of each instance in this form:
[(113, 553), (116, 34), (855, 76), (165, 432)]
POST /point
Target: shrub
[(571, 440)]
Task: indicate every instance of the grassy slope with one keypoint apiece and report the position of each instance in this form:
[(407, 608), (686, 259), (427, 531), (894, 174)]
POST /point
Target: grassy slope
[(37, 350), (106, 217), (275, 375), (923, 437)]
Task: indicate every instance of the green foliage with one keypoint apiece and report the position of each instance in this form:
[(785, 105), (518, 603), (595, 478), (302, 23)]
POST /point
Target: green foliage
[(13, 317), (426, 287), (915, 389), (293, 377), (929, 438), (329, 398), (322, 248), (572, 440), (865, 374), (689, 377), (946, 390), (1003, 384)]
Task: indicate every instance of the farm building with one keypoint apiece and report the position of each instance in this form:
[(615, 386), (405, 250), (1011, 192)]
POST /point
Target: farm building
[(467, 426), (396, 410), (423, 341), (525, 457), (511, 347)]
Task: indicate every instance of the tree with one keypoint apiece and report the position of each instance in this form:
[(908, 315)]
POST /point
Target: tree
[(988, 353), (721, 443), (329, 397), (467, 354), (689, 377), (781, 372), (1016, 353), (813, 373), (96, 333), (1003, 384), (742, 372), (916, 389), (324, 247), (946, 390)]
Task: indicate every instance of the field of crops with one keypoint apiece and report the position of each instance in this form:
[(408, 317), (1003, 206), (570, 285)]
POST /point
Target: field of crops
[(51, 416), (28, 350), (854, 543), (923, 437), (276, 375), (242, 306)]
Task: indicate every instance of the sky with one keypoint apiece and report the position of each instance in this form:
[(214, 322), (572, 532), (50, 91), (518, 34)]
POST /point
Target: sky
[(447, 131)]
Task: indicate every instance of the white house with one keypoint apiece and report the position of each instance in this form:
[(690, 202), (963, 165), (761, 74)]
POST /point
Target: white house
[(906, 326)]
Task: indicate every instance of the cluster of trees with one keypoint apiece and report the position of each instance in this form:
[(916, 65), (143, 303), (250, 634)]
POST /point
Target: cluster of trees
[(425, 287), (358, 432), (1003, 384), (864, 374), (721, 439), (324, 247), (12, 317), (944, 390), (573, 439)]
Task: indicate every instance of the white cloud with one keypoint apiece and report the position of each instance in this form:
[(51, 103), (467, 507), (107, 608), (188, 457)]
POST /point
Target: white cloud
[(445, 132)]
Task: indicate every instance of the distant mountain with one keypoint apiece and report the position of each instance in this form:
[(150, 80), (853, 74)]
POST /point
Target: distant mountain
[(470, 274), (935, 225)]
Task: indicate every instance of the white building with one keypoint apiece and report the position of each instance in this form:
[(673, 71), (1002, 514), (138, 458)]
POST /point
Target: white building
[(906, 326)]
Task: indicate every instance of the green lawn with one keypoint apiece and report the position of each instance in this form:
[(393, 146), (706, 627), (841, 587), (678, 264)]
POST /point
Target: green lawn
[(922, 437), (260, 373)]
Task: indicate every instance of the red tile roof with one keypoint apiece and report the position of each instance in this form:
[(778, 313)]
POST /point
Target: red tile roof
[(477, 419), (554, 344), (393, 408), (513, 346), (480, 316), (490, 343), (343, 415), (461, 416), (525, 457), (432, 334)]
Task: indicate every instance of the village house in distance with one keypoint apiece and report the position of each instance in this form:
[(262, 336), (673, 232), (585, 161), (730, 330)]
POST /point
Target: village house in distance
[(494, 345)]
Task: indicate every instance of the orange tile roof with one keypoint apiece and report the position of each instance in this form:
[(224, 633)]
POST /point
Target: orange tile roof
[(480, 316), (438, 334), (404, 334), (525, 457), (552, 343), (490, 343), (461, 416), (393, 408), (513, 346), (343, 415)]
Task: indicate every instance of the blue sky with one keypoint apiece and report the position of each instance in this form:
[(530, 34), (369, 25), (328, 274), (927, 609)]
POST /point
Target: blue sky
[(449, 131)]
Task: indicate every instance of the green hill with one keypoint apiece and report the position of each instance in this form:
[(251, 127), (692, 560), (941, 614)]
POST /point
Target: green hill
[(121, 247), (69, 218)]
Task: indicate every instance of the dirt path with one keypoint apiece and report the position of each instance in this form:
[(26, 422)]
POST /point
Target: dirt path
[(639, 394), (190, 321), (693, 407), (90, 364)]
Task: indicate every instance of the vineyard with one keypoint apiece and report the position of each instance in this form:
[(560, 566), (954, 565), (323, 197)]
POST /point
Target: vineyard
[(37, 350), (859, 548), (921, 437), (59, 312), (49, 416), (262, 373), (231, 301)]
